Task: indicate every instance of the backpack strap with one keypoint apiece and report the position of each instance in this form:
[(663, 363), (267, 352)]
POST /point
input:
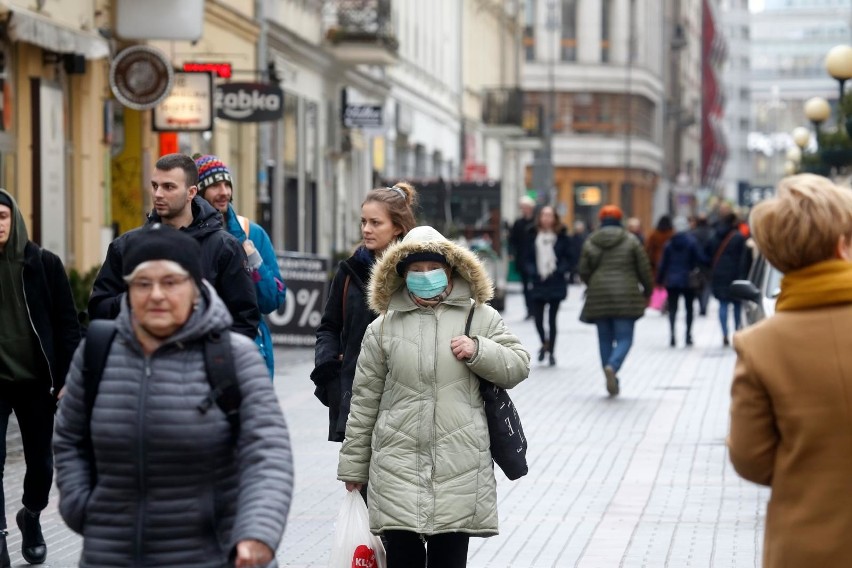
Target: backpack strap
[(244, 224), (99, 338), (221, 374)]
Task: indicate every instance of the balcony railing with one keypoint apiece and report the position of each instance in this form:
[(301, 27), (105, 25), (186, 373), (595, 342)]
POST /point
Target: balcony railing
[(503, 107), (360, 31)]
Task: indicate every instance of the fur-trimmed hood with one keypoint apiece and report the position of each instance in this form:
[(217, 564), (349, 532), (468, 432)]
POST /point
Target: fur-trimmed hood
[(385, 281)]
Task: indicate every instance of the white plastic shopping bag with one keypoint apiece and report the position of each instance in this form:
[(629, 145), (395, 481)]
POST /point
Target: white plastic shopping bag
[(354, 545)]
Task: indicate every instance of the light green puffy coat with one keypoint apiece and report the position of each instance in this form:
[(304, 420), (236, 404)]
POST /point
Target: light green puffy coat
[(416, 427)]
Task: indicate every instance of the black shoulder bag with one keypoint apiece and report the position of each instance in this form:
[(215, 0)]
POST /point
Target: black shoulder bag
[(508, 442)]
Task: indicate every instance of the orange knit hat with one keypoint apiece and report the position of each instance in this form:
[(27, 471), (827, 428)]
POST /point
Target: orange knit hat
[(610, 212)]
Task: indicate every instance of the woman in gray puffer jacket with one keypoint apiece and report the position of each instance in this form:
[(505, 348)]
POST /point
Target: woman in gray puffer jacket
[(417, 428), (170, 483)]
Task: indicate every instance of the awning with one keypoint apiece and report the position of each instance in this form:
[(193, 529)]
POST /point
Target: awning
[(29, 27)]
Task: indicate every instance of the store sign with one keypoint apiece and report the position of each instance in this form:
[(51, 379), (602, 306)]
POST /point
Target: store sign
[(140, 77), (296, 322), (222, 70), (362, 116), (249, 102), (189, 106), (588, 195)]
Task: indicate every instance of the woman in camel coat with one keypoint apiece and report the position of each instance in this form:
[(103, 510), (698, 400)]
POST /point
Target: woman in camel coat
[(791, 400)]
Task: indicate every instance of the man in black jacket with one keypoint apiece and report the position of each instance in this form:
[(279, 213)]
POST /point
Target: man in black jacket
[(519, 237), (39, 332), (223, 261)]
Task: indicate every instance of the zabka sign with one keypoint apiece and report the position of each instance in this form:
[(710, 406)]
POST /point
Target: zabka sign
[(249, 102)]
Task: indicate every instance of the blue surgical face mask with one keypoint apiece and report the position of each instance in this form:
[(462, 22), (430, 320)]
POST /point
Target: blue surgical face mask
[(426, 284)]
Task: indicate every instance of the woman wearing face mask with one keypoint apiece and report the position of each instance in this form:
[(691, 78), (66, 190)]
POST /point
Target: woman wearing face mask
[(417, 429), (387, 214)]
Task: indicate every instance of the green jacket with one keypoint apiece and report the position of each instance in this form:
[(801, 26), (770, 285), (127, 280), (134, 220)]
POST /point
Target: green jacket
[(618, 275), (416, 427)]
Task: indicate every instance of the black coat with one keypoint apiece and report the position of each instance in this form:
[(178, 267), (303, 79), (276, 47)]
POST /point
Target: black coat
[(53, 316), (681, 254), (519, 237), (339, 336), (223, 264), (554, 287), (727, 266)]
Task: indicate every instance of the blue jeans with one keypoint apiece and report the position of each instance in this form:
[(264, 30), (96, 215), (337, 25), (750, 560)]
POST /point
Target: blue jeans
[(615, 336), (723, 316)]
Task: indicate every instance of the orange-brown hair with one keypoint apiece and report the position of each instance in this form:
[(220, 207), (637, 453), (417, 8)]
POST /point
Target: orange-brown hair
[(803, 223), (399, 200), (610, 212)]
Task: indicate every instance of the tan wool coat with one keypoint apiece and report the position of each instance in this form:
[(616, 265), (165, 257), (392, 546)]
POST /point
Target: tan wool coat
[(791, 429)]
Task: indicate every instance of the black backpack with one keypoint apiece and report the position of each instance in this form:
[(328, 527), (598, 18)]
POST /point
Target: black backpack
[(218, 361)]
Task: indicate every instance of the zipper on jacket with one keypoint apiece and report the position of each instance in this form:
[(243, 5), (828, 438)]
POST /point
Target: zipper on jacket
[(38, 337), (140, 481)]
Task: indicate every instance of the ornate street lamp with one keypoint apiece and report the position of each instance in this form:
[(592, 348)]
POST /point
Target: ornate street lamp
[(802, 137), (838, 63), (817, 110)]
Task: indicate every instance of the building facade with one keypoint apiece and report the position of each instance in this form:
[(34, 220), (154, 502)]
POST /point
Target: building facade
[(736, 84), (593, 73)]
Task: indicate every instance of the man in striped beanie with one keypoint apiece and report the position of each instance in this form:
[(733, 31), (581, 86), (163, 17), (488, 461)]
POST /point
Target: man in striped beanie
[(215, 184)]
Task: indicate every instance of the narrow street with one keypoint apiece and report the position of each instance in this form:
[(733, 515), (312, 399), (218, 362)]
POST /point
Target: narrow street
[(639, 480)]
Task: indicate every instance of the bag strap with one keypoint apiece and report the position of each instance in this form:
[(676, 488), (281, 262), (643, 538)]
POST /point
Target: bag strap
[(345, 292), (99, 338), (221, 374), (722, 246), (469, 320)]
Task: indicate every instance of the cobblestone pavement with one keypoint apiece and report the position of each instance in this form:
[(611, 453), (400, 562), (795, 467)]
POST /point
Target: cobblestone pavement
[(642, 480)]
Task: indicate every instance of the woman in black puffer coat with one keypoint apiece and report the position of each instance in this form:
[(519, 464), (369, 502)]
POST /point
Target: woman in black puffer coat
[(726, 250), (681, 256), (386, 216), (548, 263)]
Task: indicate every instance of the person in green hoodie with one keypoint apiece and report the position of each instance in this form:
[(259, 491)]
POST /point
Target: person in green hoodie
[(39, 332)]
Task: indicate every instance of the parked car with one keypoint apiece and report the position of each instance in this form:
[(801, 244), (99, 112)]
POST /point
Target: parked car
[(759, 292)]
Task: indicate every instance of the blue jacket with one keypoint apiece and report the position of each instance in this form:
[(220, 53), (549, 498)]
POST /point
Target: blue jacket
[(270, 289), (680, 256)]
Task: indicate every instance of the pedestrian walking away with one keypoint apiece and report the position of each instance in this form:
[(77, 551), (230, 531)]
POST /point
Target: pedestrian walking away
[(548, 262), (577, 238), (790, 422), (387, 214), (39, 332), (657, 240), (150, 471), (215, 184), (519, 245), (703, 233), (424, 287), (617, 273), (223, 261), (682, 261), (726, 250)]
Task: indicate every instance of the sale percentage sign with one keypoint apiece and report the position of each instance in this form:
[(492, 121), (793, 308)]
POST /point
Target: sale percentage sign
[(307, 300)]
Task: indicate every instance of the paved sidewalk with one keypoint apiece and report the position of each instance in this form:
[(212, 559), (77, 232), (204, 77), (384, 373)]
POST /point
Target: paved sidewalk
[(641, 480)]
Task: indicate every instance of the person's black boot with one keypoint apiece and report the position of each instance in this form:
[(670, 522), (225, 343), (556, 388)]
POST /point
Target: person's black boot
[(33, 548), (5, 562)]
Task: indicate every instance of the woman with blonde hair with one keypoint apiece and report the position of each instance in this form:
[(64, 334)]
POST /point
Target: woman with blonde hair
[(387, 214), (791, 420)]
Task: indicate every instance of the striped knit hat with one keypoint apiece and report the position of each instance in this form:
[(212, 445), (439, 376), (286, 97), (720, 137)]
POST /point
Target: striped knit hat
[(211, 170)]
